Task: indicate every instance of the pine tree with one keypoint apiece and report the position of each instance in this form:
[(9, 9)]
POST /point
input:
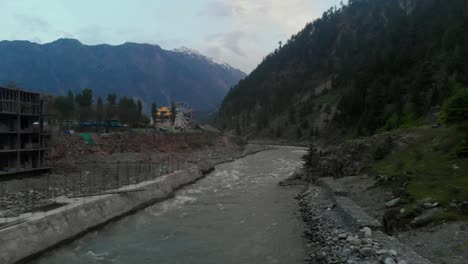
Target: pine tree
[(100, 110), (84, 101), (173, 113), (154, 109)]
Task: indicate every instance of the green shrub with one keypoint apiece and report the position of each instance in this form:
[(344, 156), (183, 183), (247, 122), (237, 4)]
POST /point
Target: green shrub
[(455, 109), (455, 112), (391, 123), (462, 149)]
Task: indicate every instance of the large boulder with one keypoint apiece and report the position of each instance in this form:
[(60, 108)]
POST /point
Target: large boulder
[(426, 218)]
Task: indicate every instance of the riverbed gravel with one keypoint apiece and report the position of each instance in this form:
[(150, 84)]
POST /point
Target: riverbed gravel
[(332, 240)]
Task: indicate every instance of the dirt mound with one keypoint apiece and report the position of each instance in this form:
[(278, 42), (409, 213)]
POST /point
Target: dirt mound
[(68, 151)]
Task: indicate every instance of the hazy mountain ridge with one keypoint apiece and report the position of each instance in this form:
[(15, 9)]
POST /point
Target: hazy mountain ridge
[(142, 71)]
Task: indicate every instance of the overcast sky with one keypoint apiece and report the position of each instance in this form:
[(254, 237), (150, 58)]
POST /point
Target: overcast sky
[(239, 32)]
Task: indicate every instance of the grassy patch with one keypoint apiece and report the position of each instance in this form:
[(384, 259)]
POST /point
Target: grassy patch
[(431, 166), (138, 130), (462, 247), (331, 98)]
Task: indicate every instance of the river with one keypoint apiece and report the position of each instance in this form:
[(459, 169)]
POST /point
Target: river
[(237, 214)]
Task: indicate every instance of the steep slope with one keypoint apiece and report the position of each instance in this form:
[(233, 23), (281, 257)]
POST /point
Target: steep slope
[(372, 65), (141, 71)]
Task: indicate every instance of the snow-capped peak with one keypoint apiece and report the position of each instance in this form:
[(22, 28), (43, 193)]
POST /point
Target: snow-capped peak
[(187, 51), (195, 53)]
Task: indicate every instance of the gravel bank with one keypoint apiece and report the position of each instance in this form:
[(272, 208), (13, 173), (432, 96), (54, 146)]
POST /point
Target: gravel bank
[(332, 240)]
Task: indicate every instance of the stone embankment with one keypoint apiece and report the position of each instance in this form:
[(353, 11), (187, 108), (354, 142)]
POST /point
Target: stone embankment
[(34, 234), (342, 232)]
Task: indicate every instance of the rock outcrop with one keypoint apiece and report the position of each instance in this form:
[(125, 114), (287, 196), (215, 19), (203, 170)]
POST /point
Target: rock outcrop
[(350, 157)]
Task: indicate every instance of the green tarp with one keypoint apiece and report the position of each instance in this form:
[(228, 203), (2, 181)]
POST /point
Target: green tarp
[(87, 138)]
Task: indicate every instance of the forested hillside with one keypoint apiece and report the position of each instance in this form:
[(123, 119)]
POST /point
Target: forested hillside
[(368, 66)]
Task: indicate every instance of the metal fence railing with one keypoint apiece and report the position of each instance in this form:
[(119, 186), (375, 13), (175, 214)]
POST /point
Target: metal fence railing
[(33, 194), (41, 193)]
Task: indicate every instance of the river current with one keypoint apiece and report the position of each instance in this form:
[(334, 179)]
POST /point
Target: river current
[(237, 214)]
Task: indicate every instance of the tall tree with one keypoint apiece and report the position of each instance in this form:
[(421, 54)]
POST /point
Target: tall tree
[(111, 106), (139, 111), (100, 110), (85, 101), (173, 113), (71, 103), (61, 107), (128, 111), (111, 109), (154, 109)]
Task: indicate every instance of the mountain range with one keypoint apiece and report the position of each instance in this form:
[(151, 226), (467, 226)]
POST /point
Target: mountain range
[(141, 71)]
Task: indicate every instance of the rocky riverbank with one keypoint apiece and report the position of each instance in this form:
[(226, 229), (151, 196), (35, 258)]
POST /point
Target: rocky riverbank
[(333, 240), (409, 180)]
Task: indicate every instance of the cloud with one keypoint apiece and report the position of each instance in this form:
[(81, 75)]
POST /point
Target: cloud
[(170, 42), (256, 27), (93, 34), (64, 34), (217, 9), (36, 40), (31, 23), (229, 41)]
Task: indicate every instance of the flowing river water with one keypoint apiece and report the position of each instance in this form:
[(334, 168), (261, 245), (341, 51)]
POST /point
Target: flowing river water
[(237, 214)]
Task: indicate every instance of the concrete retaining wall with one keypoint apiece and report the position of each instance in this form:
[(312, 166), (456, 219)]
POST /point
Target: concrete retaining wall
[(42, 232), (332, 187), (353, 213)]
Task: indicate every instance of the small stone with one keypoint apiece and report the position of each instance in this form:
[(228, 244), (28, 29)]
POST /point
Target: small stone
[(354, 240), (343, 236), (366, 232), (393, 202), (425, 218), (382, 252), (346, 252), (389, 260), (430, 205), (367, 252)]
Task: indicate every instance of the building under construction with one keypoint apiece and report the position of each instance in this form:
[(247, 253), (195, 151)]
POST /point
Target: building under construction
[(24, 139)]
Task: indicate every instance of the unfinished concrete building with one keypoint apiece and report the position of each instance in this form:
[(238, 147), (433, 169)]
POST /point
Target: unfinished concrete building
[(24, 138)]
